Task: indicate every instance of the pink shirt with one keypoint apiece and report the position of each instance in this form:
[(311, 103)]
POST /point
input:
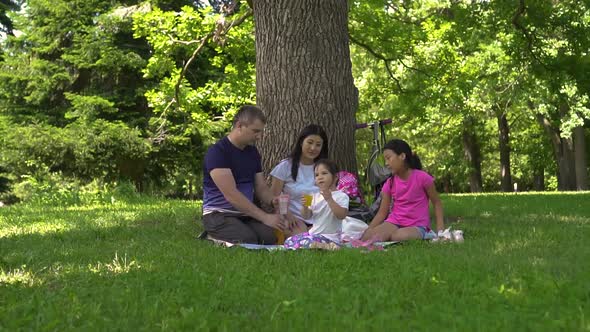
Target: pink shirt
[(410, 201)]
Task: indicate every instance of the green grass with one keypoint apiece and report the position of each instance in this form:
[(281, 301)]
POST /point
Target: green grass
[(525, 265)]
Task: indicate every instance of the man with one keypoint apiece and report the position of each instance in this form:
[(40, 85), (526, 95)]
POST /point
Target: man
[(233, 174)]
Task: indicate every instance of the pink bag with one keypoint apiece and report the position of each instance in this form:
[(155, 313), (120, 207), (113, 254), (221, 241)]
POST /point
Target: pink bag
[(348, 183)]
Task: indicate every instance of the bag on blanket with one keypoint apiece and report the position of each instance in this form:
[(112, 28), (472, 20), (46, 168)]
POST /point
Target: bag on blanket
[(352, 229)]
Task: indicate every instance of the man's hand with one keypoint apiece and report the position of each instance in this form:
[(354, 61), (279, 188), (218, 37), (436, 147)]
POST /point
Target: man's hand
[(274, 202), (275, 221)]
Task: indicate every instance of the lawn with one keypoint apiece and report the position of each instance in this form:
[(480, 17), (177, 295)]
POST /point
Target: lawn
[(136, 265)]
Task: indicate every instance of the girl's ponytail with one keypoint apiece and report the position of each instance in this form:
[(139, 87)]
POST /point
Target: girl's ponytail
[(414, 161), (400, 146)]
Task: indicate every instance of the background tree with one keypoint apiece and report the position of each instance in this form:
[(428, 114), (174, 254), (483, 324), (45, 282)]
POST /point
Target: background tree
[(74, 87), (471, 63), (6, 6), (303, 75)]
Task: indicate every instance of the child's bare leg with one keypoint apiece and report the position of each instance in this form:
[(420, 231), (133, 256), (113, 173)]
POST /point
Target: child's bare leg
[(406, 233), (382, 232)]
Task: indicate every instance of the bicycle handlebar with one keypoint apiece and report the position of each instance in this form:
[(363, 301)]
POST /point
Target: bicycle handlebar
[(380, 122)]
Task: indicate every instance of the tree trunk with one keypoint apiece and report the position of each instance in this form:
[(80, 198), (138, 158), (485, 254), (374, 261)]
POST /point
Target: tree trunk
[(304, 75), (472, 155), (563, 153), (581, 163), (539, 179), (504, 144)]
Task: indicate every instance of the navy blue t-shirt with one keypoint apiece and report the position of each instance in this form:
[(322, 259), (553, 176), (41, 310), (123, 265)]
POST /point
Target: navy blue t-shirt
[(244, 164)]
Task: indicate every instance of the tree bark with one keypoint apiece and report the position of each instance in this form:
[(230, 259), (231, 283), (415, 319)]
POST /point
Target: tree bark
[(563, 153), (581, 163), (504, 145), (539, 179), (304, 75), (472, 155)]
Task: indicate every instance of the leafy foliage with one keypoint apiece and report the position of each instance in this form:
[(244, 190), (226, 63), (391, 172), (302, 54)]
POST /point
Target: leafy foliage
[(435, 65), (85, 91)]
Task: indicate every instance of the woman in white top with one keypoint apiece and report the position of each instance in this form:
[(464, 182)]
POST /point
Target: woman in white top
[(295, 175)]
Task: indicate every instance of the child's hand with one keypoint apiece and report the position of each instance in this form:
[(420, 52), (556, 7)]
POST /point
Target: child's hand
[(327, 194), (303, 201)]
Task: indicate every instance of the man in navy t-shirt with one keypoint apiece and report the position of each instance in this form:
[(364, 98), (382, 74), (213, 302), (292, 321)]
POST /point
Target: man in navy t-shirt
[(232, 175)]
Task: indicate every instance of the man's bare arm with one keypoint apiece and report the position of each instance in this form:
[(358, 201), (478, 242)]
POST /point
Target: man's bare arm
[(226, 183), (263, 192)]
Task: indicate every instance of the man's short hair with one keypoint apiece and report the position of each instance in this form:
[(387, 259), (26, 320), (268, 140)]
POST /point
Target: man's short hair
[(247, 114)]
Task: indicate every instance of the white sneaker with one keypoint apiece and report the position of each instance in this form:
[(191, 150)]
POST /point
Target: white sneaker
[(458, 235), (445, 235)]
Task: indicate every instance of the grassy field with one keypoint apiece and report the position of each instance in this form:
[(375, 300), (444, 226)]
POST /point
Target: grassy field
[(524, 265)]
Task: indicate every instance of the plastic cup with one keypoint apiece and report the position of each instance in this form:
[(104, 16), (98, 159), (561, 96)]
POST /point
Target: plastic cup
[(280, 236), (283, 204), (308, 199)]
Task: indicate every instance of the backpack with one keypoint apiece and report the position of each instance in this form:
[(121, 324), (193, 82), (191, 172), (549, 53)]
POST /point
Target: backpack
[(357, 208), (348, 183)]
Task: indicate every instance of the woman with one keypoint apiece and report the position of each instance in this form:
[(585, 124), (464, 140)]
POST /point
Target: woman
[(295, 175)]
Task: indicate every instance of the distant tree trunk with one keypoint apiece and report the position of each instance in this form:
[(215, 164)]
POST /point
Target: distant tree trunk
[(539, 179), (304, 75), (563, 153), (472, 155), (504, 144), (581, 163), (447, 184)]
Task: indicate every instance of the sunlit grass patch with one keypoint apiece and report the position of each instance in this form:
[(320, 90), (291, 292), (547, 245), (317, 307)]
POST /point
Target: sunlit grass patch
[(117, 266), (19, 276)]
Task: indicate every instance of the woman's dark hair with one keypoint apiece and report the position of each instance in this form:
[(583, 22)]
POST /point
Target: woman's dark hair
[(330, 165), (400, 146), (309, 130)]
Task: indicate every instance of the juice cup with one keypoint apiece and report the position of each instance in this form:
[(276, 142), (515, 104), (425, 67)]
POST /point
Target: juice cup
[(308, 198), (280, 236)]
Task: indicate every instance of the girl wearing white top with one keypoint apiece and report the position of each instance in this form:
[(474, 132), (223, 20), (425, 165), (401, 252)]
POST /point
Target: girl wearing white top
[(328, 208), (295, 175)]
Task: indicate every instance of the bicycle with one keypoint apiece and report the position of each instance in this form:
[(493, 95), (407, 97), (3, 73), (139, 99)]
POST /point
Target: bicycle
[(375, 173)]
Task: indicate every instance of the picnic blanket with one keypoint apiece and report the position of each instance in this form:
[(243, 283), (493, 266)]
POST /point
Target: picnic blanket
[(349, 239), (370, 246)]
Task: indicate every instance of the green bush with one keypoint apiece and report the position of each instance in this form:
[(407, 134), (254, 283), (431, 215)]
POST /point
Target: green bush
[(52, 188), (46, 187), (102, 151)]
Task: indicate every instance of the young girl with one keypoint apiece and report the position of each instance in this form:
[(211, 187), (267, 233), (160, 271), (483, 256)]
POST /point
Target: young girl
[(328, 208), (410, 188)]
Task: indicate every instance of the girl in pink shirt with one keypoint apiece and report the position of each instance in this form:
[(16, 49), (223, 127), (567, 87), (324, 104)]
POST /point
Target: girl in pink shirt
[(409, 189)]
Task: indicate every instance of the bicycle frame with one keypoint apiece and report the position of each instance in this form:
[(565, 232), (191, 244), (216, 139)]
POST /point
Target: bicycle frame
[(376, 173)]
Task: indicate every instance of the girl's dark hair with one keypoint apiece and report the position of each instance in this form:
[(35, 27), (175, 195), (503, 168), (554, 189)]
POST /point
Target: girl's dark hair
[(400, 146), (309, 130), (330, 165)]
